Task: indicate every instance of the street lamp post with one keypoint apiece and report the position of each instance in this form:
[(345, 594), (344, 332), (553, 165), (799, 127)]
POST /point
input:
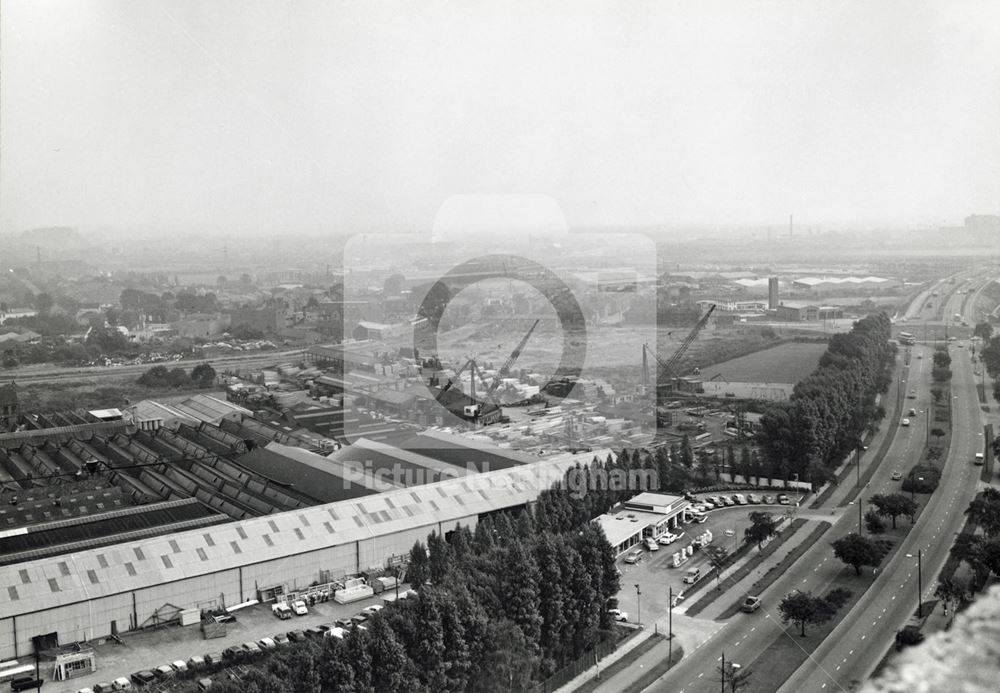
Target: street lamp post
[(638, 604), (920, 582), (670, 626)]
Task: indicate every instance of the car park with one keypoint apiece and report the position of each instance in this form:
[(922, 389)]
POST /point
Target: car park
[(651, 544), (750, 604), (896, 476), (618, 615)]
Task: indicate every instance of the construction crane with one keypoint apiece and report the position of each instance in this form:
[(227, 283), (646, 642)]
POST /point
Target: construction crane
[(668, 367), (505, 368)]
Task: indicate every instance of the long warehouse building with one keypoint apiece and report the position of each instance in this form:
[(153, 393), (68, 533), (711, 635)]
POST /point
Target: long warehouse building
[(95, 592)]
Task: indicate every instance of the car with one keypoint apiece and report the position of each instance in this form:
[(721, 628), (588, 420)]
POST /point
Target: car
[(296, 636), (121, 684), (912, 395), (920, 356), (344, 623), (913, 412), (252, 649), (281, 610), (651, 544), (793, 593), (739, 499), (668, 539), (618, 615), (213, 658), (267, 643), (104, 687), (727, 501), (314, 633), (692, 576), (24, 683), (750, 604), (783, 499), (143, 677), (204, 684), (753, 498), (905, 422), (164, 671), (180, 666), (373, 609), (634, 557), (979, 460), (359, 619), (281, 639), (701, 518), (299, 607), (769, 499), (196, 662), (896, 476), (336, 632)]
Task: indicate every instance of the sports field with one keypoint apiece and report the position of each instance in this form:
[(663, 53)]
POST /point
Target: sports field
[(785, 363)]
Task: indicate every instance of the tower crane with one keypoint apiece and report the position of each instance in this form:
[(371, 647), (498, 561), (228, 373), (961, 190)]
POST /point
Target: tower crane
[(505, 368)]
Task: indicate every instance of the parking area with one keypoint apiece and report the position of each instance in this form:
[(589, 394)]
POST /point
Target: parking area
[(655, 573), (152, 647)]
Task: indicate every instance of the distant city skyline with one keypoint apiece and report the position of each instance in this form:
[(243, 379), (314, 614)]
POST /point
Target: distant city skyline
[(258, 118)]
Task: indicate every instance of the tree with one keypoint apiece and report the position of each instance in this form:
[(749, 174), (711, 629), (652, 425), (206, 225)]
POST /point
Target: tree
[(687, 453), (733, 676), (508, 662), (857, 551), (392, 670), (985, 509), (873, 521), (762, 527), (983, 330), (418, 572), (802, 609), (203, 375), (941, 358), (893, 505), (717, 558), (246, 332), (44, 303), (938, 433), (393, 285)]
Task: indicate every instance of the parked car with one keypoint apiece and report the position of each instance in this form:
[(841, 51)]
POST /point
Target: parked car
[(296, 635), (233, 653), (143, 678), (204, 684), (651, 544), (753, 498), (739, 499), (913, 412), (769, 499), (164, 671), (359, 619), (896, 476), (336, 632), (783, 499), (979, 460), (196, 662), (701, 518), (618, 615), (344, 623), (267, 643), (252, 649), (103, 687), (668, 539), (750, 604), (373, 609), (634, 557), (281, 610), (692, 576), (728, 501), (299, 607), (180, 666), (281, 639), (314, 633), (213, 658), (121, 684)]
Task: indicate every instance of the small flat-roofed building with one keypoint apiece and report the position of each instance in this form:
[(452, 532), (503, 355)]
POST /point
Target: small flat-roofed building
[(646, 515)]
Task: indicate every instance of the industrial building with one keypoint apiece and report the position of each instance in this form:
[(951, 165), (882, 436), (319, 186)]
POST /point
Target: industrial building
[(793, 311), (93, 591)]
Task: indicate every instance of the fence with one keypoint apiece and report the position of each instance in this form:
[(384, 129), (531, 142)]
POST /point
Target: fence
[(580, 665)]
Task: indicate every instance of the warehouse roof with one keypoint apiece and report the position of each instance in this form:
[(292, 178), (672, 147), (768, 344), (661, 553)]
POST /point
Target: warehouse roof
[(50, 582)]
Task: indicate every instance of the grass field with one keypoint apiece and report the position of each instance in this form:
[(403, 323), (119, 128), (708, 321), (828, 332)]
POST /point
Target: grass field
[(786, 363)]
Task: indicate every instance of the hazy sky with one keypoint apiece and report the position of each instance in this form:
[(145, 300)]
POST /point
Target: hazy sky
[(277, 116)]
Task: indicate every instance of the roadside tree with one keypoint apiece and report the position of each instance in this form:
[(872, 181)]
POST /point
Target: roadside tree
[(762, 527), (893, 505), (857, 551)]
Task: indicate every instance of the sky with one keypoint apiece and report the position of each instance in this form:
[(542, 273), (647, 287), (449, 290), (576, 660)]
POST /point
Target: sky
[(274, 117)]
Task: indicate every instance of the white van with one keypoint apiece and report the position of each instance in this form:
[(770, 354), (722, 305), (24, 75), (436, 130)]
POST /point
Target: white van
[(980, 460)]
